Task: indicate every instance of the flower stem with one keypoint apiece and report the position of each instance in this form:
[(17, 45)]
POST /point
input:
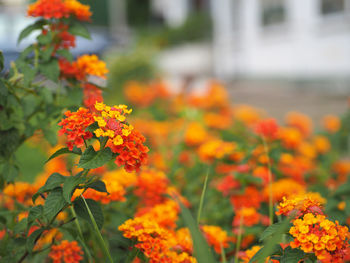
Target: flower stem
[(239, 238), (270, 180), (102, 243), (201, 202), (80, 235)]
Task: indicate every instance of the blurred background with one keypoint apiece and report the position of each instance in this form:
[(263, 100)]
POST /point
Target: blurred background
[(279, 55)]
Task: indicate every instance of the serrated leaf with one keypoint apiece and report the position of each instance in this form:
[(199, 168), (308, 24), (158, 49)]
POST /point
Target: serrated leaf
[(50, 69), (32, 239), (291, 255), (20, 226), (55, 180), (269, 231), (91, 159), (64, 151), (99, 186), (94, 207), (70, 184), (79, 29), (34, 213), (29, 29), (54, 203), (202, 251)]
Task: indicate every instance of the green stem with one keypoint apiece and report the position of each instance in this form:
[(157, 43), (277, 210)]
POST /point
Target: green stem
[(223, 255), (201, 202), (270, 181), (239, 238), (98, 233)]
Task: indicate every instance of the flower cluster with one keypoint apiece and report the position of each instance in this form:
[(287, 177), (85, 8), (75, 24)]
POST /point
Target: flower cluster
[(299, 205), (74, 126), (59, 9), (316, 234), (66, 252), (122, 137)]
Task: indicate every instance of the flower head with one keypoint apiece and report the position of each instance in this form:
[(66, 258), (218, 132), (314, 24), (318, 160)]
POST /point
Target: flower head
[(74, 126), (66, 252)]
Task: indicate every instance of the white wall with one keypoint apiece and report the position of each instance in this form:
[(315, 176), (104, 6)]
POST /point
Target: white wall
[(307, 45)]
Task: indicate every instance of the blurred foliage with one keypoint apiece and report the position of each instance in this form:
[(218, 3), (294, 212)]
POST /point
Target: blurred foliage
[(197, 27), (135, 64)]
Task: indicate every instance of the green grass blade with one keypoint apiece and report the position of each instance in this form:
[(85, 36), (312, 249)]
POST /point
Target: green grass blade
[(202, 251), (201, 202)]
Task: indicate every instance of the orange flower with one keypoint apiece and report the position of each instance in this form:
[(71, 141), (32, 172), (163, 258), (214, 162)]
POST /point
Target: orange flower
[(59, 9), (91, 65), (165, 214), (284, 188), (66, 252), (246, 114), (74, 126), (195, 134), (48, 9), (299, 205), (151, 186), (215, 149), (249, 217), (315, 233), (267, 128), (291, 137), (122, 137), (300, 121), (331, 123), (216, 237), (321, 144), (80, 11)]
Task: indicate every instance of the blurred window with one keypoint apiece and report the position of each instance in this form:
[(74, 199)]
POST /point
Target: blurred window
[(332, 6), (273, 12)]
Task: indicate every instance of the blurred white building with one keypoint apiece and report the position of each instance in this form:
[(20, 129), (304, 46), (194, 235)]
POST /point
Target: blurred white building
[(281, 38)]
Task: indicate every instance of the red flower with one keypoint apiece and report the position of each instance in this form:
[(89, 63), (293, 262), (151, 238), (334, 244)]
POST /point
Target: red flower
[(267, 128), (66, 252), (74, 126)]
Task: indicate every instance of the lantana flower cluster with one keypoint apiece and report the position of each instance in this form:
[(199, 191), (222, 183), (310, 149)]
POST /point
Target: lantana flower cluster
[(59, 9)]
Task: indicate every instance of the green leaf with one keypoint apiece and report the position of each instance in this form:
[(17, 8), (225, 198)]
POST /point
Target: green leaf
[(70, 184), (271, 230), (28, 71), (47, 53), (343, 189), (65, 53), (94, 207), (54, 203), (64, 151), (3, 93), (32, 239), (202, 251), (271, 247), (55, 180), (292, 255), (29, 29), (91, 159), (45, 39), (79, 29), (50, 69), (9, 172), (92, 127), (50, 135), (99, 186), (34, 213)]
